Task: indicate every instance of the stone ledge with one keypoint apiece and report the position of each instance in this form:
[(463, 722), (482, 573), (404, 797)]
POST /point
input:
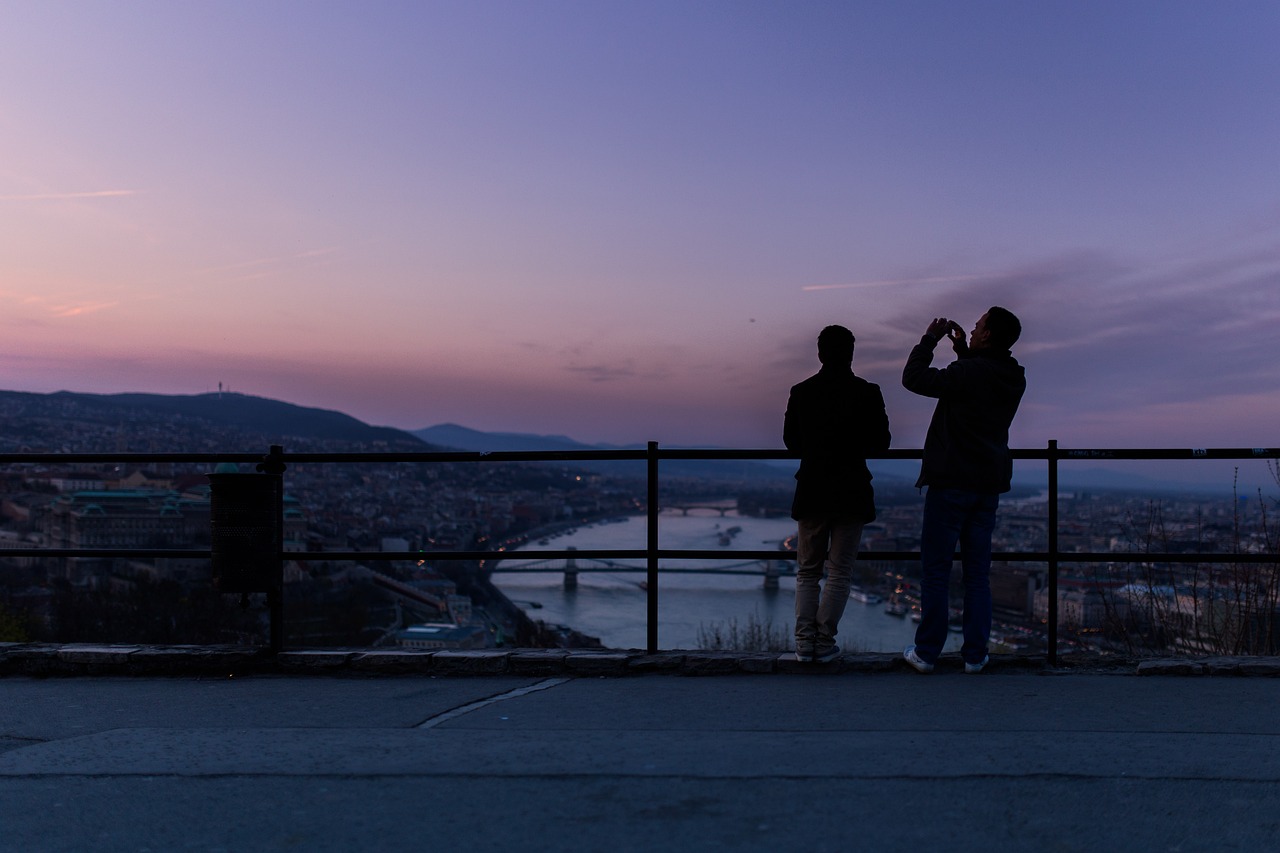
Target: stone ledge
[(757, 662), (390, 661), (196, 660), (38, 659), (90, 654), (479, 662), (88, 659), (537, 661), (315, 660), (709, 663), (1171, 667), (1241, 666), (595, 663), (662, 663), (1269, 666)]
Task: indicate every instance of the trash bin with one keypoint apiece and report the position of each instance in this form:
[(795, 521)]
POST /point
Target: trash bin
[(245, 531)]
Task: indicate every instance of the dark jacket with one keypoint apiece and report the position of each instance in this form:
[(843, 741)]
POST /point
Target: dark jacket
[(967, 446), (835, 420)]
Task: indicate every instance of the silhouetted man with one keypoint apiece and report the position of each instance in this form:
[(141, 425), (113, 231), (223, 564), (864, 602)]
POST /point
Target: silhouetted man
[(834, 420), (966, 467)]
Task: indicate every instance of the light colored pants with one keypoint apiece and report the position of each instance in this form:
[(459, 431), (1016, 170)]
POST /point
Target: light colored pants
[(825, 546)]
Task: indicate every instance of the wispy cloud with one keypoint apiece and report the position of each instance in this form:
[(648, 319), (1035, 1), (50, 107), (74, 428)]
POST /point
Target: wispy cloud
[(1109, 337), (316, 253), (584, 362), (69, 196), (1103, 336), (602, 372), (69, 309), (891, 282), (85, 308), (264, 265)]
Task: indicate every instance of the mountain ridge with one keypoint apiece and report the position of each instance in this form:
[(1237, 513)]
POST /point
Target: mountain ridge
[(69, 420), (466, 438)]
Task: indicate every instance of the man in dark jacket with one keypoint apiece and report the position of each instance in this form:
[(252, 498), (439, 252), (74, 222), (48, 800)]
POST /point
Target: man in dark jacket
[(834, 420), (966, 467)]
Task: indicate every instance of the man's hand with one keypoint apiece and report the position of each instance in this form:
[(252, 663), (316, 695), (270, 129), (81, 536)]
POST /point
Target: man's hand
[(939, 327), (958, 341)]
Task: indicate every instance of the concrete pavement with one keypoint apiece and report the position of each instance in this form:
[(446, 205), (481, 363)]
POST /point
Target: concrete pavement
[(831, 760)]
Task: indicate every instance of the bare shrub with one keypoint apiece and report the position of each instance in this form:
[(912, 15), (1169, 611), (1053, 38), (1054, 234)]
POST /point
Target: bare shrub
[(754, 636), (1157, 607)]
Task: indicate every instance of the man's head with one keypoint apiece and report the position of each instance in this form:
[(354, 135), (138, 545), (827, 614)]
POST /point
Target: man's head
[(835, 345), (998, 329)]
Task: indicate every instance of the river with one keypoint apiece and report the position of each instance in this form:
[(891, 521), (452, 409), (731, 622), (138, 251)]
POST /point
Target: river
[(613, 606)]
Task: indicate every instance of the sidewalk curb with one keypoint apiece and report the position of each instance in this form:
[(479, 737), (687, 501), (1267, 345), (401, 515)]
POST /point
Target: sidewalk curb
[(86, 659)]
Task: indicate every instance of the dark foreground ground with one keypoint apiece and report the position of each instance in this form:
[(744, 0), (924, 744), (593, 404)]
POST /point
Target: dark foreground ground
[(864, 755)]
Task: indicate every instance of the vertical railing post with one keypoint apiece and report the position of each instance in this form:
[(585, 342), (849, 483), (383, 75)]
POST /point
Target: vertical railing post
[(651, 546), (1053, 552), (246, 535), (273, 463)]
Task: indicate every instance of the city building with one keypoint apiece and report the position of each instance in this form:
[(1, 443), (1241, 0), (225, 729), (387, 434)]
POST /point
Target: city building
[(442, 636)]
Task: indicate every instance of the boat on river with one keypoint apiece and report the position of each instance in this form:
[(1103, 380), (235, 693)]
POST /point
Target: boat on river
[(858, 594)]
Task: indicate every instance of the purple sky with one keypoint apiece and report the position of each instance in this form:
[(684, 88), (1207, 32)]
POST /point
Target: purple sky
[(628, 221)]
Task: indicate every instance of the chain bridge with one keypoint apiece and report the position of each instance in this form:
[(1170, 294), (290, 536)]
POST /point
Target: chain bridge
[(768, 570)]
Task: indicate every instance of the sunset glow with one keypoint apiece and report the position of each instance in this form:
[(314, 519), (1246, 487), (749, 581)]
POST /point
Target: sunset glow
[(628, 222)]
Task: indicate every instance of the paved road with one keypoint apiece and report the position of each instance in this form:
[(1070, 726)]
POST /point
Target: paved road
[(894, 761)]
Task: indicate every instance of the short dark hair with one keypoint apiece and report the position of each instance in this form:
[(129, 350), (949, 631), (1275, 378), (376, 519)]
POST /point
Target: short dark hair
[(835, 345), (1003, 327)]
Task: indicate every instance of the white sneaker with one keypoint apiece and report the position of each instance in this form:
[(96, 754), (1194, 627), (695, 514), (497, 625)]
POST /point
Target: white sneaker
[(972, 668), (910, 656)]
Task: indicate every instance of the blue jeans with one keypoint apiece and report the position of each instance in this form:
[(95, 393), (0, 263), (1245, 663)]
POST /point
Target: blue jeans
[(825, 546), (968, 518)]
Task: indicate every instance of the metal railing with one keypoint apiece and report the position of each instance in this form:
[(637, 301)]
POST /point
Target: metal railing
[(652, 553)]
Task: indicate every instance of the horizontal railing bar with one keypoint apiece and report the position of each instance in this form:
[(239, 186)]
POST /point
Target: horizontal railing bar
[(999, 556), (1068, 455), (634, 570), (1065, 557), (640, 554), (107, 458), (487, 556), (912, 556), (299, 458), (155, 553), (1062, 454), (688, 453), (471, 456)]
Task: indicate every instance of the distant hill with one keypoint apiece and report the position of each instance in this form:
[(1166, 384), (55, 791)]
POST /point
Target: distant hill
[(67, 421), (889, 473), (227, 422), (464, 438)]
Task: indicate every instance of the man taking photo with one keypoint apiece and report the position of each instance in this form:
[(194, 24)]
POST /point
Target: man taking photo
[(966, 467)]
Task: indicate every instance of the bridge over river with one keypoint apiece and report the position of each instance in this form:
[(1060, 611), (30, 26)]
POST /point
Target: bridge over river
[(768, 570)]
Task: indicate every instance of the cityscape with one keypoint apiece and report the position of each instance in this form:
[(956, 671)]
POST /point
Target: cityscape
[(1124, 606)]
